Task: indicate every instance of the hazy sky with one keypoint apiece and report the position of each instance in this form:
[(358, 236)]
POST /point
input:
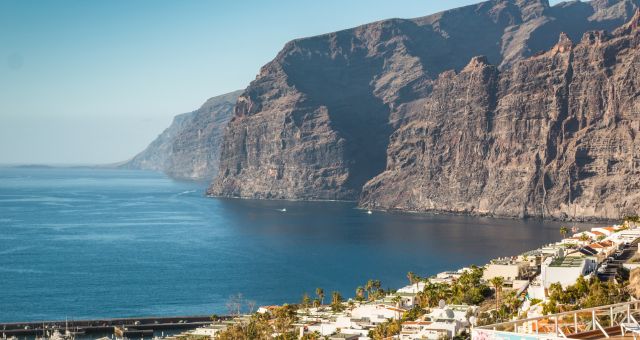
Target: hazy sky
[(95, 81)]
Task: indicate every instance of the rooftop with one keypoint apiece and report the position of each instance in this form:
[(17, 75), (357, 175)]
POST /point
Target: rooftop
[(569, 261)]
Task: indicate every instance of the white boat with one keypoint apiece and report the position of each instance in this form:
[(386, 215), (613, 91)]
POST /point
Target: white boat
[(369, 212), (59, 336)]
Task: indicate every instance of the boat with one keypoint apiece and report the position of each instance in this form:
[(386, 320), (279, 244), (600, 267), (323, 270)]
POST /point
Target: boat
[(125, 332), (369, 212), (59, 336), (75, 332)]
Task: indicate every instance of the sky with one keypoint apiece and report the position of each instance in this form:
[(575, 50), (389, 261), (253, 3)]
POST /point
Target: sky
[(94, 82)]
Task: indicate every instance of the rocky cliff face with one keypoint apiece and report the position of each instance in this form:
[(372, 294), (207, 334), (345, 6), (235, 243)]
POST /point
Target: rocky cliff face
[(555, 135), (190, 147), (316, 122)]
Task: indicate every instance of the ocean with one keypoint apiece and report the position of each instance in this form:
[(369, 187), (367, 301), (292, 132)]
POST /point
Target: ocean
[(81, 243)]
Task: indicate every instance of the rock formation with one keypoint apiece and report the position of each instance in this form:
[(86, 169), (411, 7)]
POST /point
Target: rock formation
[(555, 136), (190, 147), (317, 121)]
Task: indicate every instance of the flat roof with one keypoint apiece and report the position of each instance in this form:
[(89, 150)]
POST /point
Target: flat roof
[(568, 261)]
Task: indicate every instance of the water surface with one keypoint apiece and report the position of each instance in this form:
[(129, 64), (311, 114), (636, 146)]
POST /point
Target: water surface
[(88, 243)]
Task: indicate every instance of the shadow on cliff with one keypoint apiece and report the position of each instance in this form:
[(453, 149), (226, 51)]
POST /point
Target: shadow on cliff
[(360, 118)]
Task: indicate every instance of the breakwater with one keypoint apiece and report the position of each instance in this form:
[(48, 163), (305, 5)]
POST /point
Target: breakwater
[(39, 328)]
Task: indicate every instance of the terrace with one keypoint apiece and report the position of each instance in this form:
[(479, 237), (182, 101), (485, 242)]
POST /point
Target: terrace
[(591, 323)]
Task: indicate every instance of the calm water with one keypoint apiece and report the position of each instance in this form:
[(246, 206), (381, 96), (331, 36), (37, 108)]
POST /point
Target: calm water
[(87, 243)]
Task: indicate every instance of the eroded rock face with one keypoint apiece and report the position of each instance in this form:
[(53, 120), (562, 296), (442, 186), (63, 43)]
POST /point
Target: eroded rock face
[(555, 136), (316, 122), (190, 148)]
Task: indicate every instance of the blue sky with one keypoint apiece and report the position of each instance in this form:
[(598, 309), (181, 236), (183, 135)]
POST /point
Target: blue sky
[(88, 82)]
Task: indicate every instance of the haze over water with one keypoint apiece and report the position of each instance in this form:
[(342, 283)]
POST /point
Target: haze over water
[(89, 243)]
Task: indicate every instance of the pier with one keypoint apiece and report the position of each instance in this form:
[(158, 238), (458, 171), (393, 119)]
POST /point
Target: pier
[(143, 325)]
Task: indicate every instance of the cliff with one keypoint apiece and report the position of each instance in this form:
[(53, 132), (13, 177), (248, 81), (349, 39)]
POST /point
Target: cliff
[(555, 136), (190, 147), (317, 121)]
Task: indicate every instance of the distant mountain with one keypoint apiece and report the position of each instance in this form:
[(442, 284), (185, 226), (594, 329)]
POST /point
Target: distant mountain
[(189, 148), (317, 121)]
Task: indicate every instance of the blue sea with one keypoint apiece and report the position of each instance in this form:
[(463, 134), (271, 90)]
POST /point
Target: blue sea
[(78, 243)]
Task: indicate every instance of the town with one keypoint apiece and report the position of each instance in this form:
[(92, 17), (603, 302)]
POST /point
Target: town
[(531, 295)]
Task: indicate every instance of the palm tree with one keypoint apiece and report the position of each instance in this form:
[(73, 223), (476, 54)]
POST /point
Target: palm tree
[(368, 287), (397, 299), (372, 287), (360, 293), (377, 286), (429, 295), (336, 301), (512, 302), (563, 231), (413, 278), (320, 295), (497, 283), (306, 301)]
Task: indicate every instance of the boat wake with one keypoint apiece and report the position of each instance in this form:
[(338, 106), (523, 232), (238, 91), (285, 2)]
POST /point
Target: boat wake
[(186, 192)]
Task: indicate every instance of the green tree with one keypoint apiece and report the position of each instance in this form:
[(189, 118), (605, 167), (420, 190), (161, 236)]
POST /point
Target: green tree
[(413, 314), (584, 237), (385, 330), (320, 295), (632, 218), (564, 230), (312, 336), (336, 302), (397, 300), (413, 279), (257, 327), (373, 288), (511, 302), (283, 319), (497, 283), (306, 301), (360, 293)]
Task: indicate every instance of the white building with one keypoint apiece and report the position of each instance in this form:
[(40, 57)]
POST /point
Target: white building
[(508, 269), (536, 290), (626, 236), (211, 331), (413, 289), (608, 231), (427, 330), (377, 313), (566, 270), (413, 329)]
